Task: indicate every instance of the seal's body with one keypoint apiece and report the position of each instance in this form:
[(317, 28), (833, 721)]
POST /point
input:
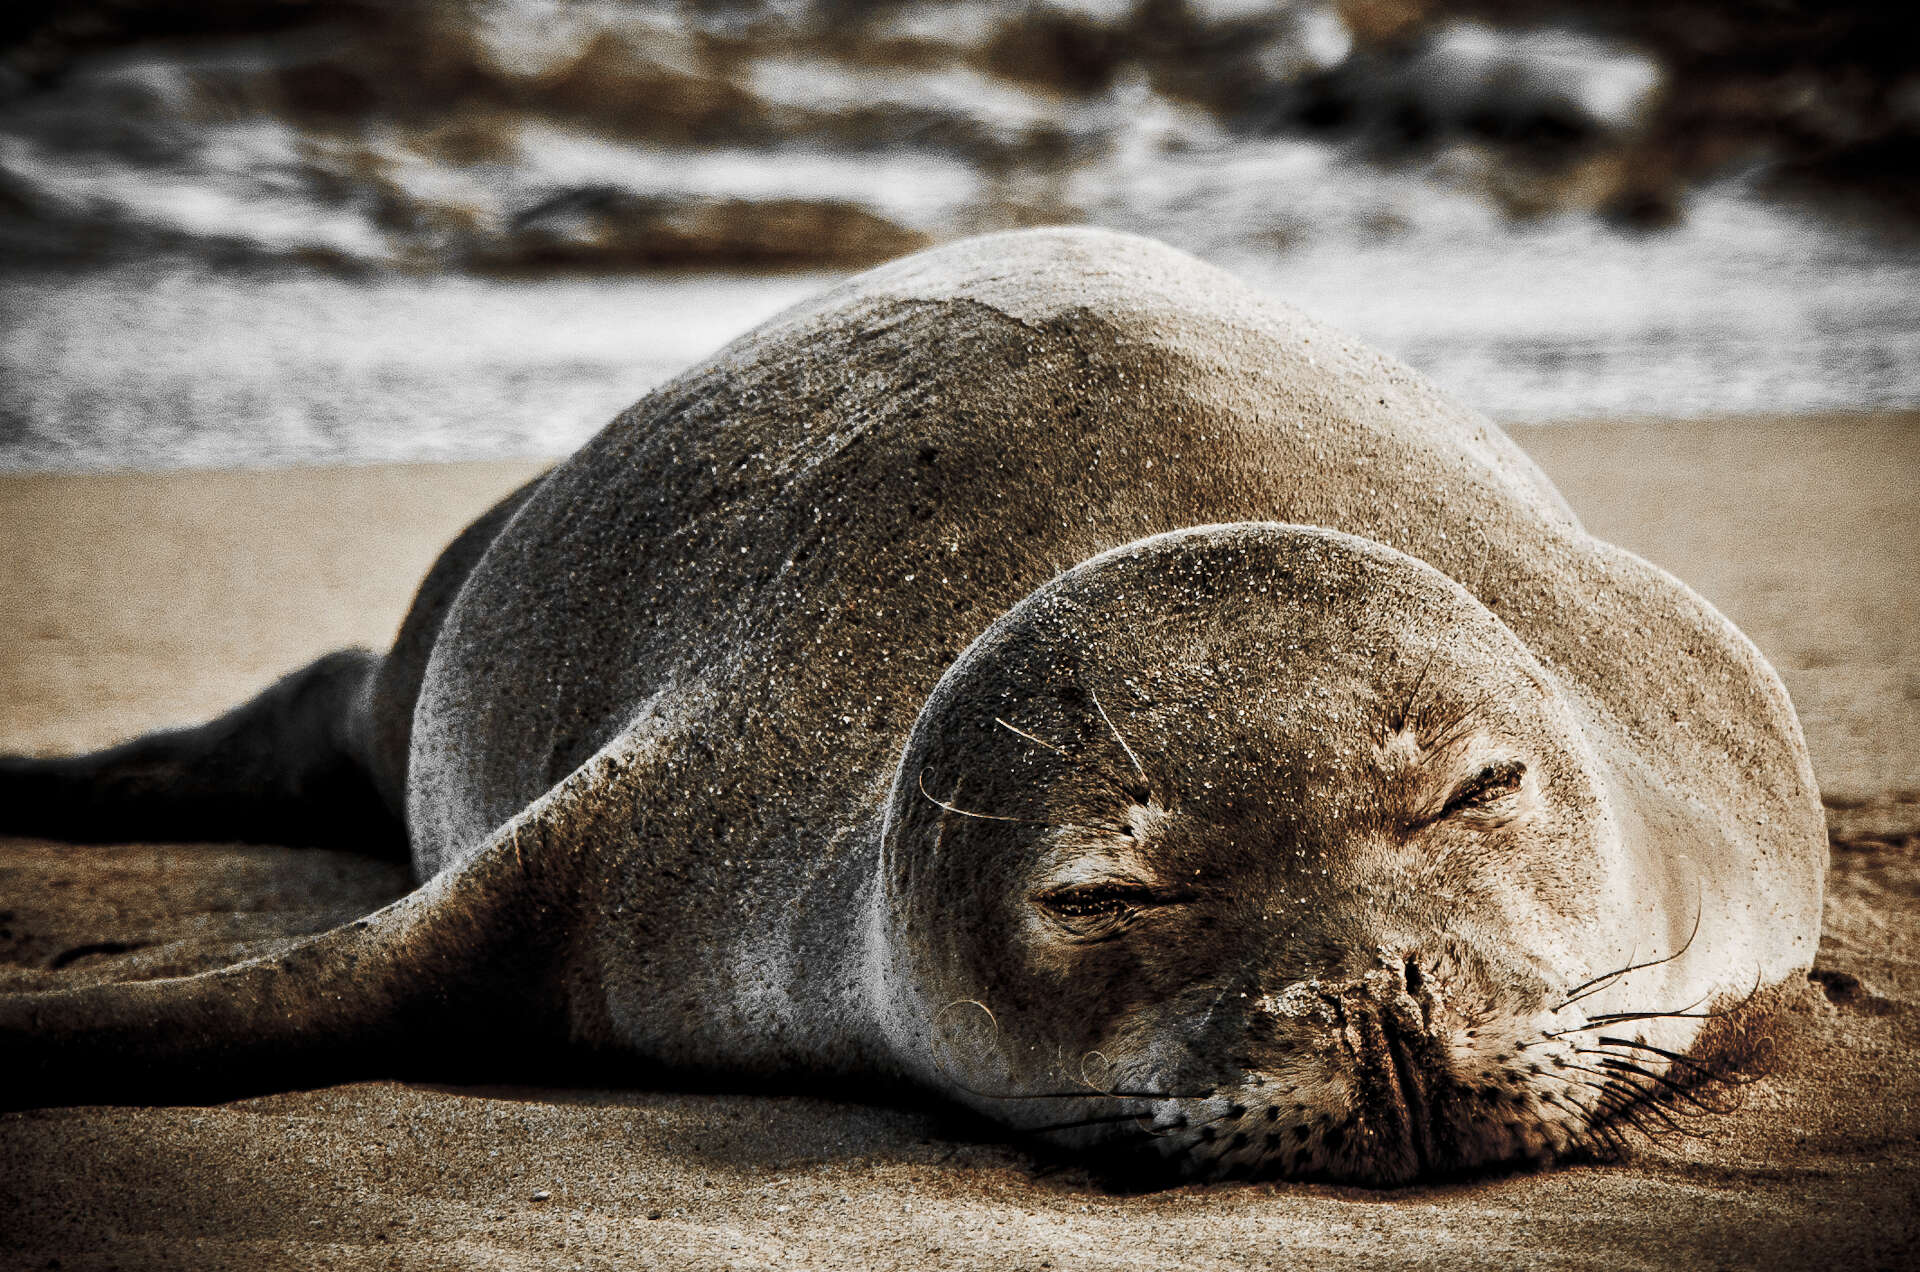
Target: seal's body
[(1042, 671)]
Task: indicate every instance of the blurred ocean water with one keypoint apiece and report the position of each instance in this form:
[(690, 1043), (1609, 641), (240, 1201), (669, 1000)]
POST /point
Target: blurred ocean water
[(481, 227), (1747, 307), (173, 366)]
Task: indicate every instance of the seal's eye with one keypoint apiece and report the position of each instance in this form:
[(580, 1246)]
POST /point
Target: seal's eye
[(1485, 789), (1096, 898), (1096, 909)]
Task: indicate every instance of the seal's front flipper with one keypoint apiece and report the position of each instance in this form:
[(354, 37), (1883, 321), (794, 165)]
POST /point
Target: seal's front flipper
[(288, 767), (459, 979)]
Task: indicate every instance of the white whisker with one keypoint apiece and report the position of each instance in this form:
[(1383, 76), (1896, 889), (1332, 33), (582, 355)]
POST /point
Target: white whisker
[(922, 784), (1028, 736), (1137, 766)]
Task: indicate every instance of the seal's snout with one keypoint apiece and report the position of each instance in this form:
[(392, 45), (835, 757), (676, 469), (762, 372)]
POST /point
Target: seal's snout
[(1399, 1068)]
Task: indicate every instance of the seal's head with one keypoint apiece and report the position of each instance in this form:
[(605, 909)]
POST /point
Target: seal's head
[(1263, 849)]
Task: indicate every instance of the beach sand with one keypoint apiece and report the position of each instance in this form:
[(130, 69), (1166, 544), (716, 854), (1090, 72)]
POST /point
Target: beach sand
[(137, 601)]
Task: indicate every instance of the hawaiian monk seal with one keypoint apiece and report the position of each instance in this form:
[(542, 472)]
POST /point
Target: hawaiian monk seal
[(1044, 672)]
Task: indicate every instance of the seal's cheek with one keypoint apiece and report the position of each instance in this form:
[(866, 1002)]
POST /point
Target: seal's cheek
[(1126, 961), (1059, 946)]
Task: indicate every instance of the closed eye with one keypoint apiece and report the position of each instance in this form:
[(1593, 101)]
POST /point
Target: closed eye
[(1486, 788), (1092, 900), (1098, 910)]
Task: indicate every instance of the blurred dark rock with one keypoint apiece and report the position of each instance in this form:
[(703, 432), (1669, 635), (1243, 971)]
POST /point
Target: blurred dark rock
[(1810, 89), (1546, 87), (510, 134), (604, 227)]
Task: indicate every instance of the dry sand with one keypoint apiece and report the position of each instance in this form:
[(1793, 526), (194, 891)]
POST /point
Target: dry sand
[(137, 601)]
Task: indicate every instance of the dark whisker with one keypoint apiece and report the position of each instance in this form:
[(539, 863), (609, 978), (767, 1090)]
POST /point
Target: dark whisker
[(1586, 989), (1617, 1100), (1636, 1116), (1609, 1080), (1614, 1017), (1591, 1132), (1621, 1101), (1713, 1072), (1453, 727), (1632, 1102), (1646, 1107), (1413, 694), (1610, 1141), (1679, 1092), (1575, 994), (1614, 1140), (1697, 1070)]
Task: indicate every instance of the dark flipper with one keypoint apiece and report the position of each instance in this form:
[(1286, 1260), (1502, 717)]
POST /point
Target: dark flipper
[(457, 980), (289, 767)]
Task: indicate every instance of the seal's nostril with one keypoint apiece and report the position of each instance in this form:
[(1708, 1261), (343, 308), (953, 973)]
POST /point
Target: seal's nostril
[(1413, 977)]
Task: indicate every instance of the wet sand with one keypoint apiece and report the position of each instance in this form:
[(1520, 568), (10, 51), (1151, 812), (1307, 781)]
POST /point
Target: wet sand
[(137, 601)]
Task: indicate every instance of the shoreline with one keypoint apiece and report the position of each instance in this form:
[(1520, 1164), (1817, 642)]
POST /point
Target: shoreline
[(158, 363)]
